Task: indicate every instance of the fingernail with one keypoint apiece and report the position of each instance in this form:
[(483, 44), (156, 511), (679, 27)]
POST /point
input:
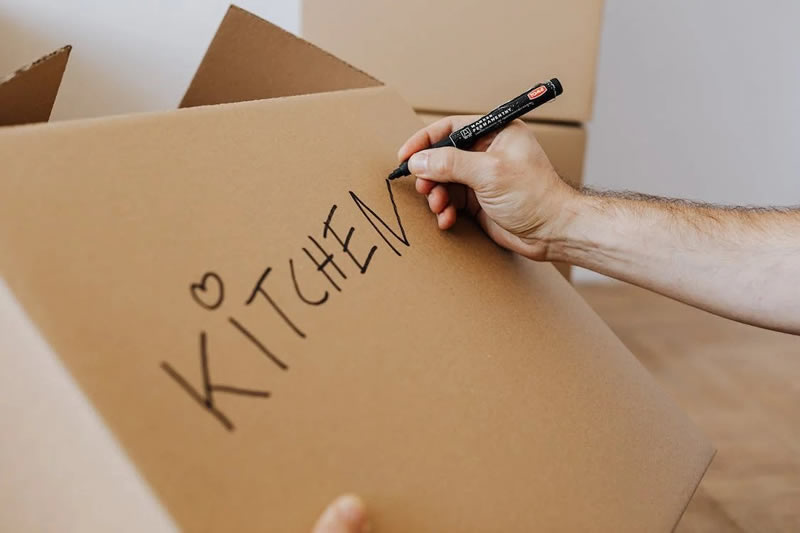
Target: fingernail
[(350, 507), (352, 511), (418, 164)]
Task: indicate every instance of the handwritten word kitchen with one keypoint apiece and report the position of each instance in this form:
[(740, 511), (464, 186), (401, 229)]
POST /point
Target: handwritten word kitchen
[(327, 252)]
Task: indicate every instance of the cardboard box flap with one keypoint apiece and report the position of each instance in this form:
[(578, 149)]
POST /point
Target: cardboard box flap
[(252, 59), (197, 272), (27, 95)]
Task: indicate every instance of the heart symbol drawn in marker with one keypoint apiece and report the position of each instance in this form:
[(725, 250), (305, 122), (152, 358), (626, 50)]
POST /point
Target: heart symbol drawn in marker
[(208, 295)]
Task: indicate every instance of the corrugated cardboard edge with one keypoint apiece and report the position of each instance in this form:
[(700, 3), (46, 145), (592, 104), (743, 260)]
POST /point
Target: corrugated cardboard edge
[(251, 59), (598, 38), (28, 94), (59, 454), (696, 486)]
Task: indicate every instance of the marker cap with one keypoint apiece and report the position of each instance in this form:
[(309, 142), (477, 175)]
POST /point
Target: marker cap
[(557, 85)]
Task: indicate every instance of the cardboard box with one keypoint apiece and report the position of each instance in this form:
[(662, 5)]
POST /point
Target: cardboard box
[(27, 95), (264, 322), (469, 56), (565, 146)]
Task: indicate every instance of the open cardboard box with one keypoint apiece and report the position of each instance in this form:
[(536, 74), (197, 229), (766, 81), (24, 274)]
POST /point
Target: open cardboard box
[(263, 322)]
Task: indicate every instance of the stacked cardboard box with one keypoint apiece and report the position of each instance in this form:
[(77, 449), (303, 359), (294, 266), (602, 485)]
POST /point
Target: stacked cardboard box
[(467, 57)]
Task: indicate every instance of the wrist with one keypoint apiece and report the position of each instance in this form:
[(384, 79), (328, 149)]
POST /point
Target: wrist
[(572, 227)]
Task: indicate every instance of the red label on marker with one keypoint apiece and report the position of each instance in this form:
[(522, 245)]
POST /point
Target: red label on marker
[(537, 92)]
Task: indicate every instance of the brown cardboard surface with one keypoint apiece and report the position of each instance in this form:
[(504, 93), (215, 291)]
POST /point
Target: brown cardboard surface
[(250, 59), (466, 56), (27, 95), (454, 386), (62, 470)]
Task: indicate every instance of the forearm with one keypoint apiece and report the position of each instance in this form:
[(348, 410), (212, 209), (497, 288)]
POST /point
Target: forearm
[(739, 263)]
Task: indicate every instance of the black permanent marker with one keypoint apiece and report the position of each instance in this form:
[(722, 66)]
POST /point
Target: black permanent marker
[(467, 136)]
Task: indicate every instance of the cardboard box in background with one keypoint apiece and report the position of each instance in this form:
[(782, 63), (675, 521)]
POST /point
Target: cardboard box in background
[(565, 146), (466, 56), (27, 95), (517, 409)]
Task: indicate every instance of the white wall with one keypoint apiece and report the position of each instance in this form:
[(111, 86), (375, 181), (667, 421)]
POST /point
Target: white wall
[(128, 55), (699, 99)]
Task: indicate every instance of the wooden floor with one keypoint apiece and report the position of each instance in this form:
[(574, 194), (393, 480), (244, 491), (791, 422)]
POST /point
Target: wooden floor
[(741, 385)]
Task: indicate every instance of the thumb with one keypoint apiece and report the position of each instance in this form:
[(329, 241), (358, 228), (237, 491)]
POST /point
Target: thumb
[(345, 515), (451, 165)]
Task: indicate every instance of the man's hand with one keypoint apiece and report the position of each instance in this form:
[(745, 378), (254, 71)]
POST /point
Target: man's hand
[(742, 263), (346, 514), (506, 183)]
